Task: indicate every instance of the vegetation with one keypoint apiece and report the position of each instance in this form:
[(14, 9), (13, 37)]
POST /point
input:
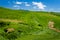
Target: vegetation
[(33, 25)]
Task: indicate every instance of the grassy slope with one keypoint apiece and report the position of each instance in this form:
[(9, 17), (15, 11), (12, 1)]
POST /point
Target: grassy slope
[(32, 31)]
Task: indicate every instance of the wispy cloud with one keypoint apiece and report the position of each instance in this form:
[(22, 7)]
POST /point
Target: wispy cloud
[(26, 4), (40, 5), (35, 5), (18, 2), (16, 6)]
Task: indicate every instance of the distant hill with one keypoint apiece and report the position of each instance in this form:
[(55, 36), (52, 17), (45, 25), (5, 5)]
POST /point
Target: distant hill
[(55, 13), (33, 25)]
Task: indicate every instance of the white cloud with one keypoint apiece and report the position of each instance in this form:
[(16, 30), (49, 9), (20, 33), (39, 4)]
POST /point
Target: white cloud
[(26, 4), (40, 5), (16, 6), (34, 7), (18, 2)]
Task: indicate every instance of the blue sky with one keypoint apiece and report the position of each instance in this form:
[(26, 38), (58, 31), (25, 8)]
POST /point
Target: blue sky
[(37, 5)]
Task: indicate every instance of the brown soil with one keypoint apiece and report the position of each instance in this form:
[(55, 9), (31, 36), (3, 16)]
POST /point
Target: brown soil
[(54, 29), (10, 20)]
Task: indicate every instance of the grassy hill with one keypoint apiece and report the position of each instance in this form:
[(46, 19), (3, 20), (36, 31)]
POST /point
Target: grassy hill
[(28, 25)]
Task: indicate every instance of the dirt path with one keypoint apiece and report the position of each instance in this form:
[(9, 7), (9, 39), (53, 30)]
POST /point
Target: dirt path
[(51, 26), (16, 21), (10, 20), (54, 29)]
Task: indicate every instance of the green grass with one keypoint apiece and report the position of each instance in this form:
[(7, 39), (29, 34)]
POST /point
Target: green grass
[(30, 29)]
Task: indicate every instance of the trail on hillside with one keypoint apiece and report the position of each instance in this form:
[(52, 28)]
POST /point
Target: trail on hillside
[(55, 29), (10, 20), (51, 26), (16, 21)]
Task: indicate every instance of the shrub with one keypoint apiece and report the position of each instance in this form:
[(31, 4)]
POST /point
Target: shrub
[(2, 38), (11, 36), (2, 24)]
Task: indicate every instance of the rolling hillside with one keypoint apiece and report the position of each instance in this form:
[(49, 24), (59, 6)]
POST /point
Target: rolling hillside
[(28, 25)]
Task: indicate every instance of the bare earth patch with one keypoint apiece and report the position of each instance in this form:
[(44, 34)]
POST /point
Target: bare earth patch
[(10, 20), (51, 26)]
